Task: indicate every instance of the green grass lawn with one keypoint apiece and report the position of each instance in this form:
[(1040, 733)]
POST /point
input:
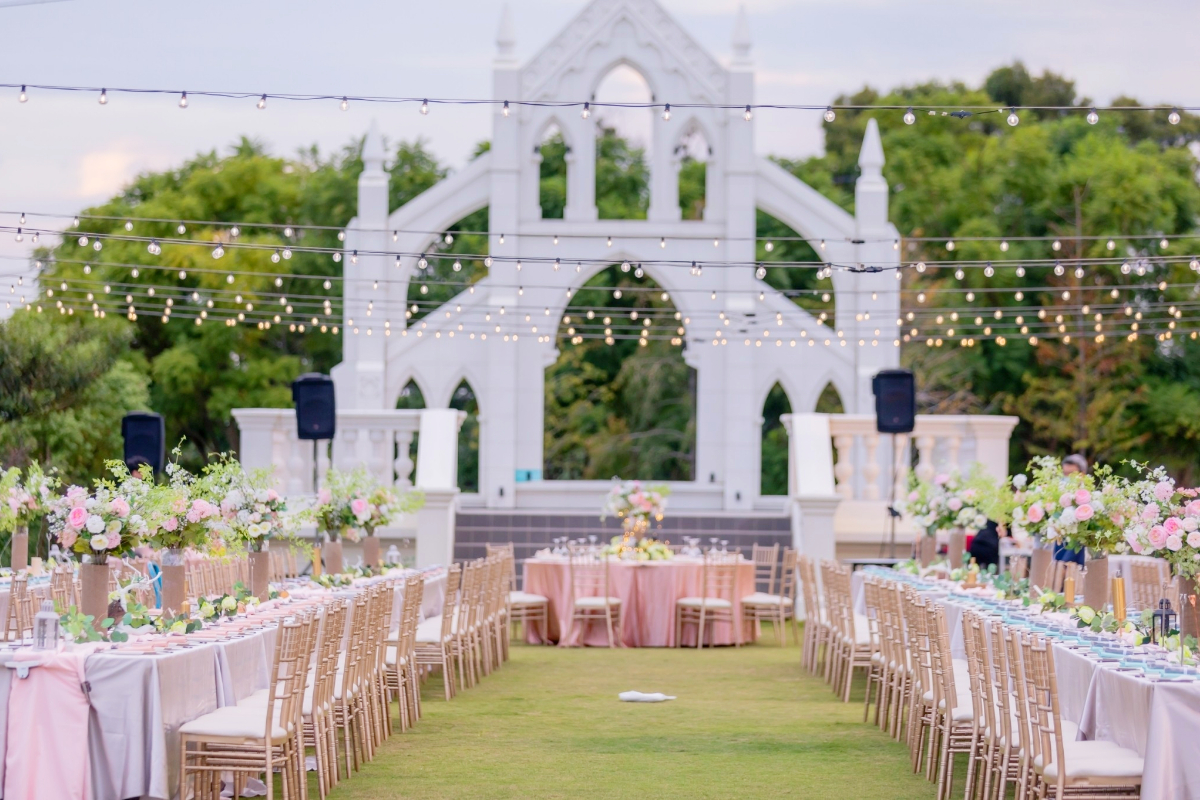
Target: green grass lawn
[(748, 723)]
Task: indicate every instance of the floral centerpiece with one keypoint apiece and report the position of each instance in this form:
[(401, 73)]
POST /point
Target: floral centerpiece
[(636, 504), (251, 512), (21, 503), (1165, 521), (343, 505), (1076, 510), (947, 502), (105, 522), (384, 505)]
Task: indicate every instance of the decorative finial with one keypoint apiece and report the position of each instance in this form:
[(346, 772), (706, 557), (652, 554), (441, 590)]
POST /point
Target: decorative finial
[(741, 37), (870, 158), (506, 37)]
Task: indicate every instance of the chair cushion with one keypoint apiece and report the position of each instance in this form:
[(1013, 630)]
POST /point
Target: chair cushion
[(708, 602), (596, 602), (862, 629), (430, 631), (235, 722), (526, 599), (764, 599), (1094, 760)]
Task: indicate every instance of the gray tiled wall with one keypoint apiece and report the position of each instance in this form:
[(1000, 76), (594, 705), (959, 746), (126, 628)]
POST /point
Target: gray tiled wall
[(531, 532)]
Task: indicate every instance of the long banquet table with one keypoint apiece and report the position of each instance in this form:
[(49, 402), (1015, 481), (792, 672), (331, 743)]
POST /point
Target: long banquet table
[(648, 591), (135, 701), (1159, 719)]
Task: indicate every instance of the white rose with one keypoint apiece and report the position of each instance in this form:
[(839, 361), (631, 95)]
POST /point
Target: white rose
[(1189, 523), (99, 542), (235, 498), (1018, 514), (980, 521), (261, 495), (94, 524), (113, 527), (1067, 517), (243, 516), (89, 503), (1019, 481)]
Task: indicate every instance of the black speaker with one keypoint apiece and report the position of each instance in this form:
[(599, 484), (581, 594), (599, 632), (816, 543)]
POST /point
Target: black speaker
[(145, 440), (895, 400), (316, 410)]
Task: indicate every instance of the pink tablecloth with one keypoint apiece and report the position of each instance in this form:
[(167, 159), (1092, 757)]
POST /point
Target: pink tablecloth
[(648, 591)]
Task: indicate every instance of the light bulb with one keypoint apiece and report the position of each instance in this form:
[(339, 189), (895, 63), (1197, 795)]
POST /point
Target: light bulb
[(424, 106), (344, 104), (1020, 272), (749, 115), (662, 242), (183, 100), (20, 237), (218, 251), (959, 274), (610, 241), (769, 246), (829, 116), (587, 111), (1172, 118), (1093, 117), (504, 110), (262, 102), (1058, 269), (667, 112), (275, 257), (457, 265), (909, 117), (287, 232), (1013, 119), (287, 253), (181, 229), (1004, 247), (487, 261), (128, 225), (761, 272), (235, 231), (502, 238), (22, 97), (103, 97)]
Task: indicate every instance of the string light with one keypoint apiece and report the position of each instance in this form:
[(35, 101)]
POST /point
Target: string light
[(587, 111), (262, 103), (1012, 118), (1093, 117), (829, 115), (749, 115), (424, 107), (1173, 117), (909, 117), (103, 97), (504, 110), (666, 115), (345, 104), (183, 101)]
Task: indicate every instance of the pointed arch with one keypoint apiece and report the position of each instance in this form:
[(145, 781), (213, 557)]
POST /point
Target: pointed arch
[(624, 142), (412, 398), (552, 150), (829, 401), (464, 399), (693, 151), (773, 464)]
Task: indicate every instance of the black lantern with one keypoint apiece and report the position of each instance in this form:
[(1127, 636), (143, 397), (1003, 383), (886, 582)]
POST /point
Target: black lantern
[(1164, 621)]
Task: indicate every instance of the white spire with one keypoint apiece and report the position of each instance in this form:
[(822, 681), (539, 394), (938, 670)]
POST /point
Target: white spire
[(373, 154), (870, 158), (506, 37), (741, 38)]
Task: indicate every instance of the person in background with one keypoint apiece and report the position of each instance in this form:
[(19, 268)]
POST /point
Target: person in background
[(985, 546), (1072, 464)]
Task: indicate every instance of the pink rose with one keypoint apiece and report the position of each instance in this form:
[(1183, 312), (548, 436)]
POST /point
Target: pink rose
[(1066, 500), (941, 480), (272, 495), (170, 524), (1117, 520), (76, 494), (1192, 509), (77, 517), (324, 497), (67, 537), (114, 540), (1137, 548), (954, 504), (1084, 512), (1174, 542), (1193, 539), (1157, 536), (1036, 513), (1082, 496), (912, 496), (119, 507), (1173, 524), (360, 508), (179, 505), (1150, 512), (1163, 490)]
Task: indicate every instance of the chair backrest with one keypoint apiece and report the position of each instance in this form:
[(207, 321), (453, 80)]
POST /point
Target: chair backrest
[(766, 563), (286, 687), (944, 689), (1031, 740), (873, 603), (20, 608), (450, 604), (589, 575), (508, 551), (975, 644), (62, 588), (787, 575), (410, 616), (1000, 676), (720, 577), (1049, 719), (808, 585)]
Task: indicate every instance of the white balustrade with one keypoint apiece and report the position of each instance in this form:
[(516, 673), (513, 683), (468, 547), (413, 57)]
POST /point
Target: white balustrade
[(378, 440)]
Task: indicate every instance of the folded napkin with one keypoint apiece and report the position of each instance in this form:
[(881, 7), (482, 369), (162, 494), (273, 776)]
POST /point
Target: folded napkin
[(642, 697)]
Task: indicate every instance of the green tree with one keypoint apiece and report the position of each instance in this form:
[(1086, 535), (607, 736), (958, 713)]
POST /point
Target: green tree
[(67, 381)]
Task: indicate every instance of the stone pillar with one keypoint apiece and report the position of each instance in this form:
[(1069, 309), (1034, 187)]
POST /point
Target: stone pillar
[(435, 528)]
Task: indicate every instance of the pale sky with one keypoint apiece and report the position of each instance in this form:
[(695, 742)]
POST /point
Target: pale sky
[(60, 152)]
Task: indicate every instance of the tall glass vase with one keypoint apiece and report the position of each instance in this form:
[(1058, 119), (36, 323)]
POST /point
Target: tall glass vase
[(174, 582)]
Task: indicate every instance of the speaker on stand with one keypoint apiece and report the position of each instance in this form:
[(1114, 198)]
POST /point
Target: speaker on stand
[(316, 418), (895, 393), (145, 440)]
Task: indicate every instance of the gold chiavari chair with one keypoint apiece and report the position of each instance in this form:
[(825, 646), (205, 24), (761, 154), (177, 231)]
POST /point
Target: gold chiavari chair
[(766, 563), (953, 705), (1059, 573), (719, 590), (462, 643), (901, 673), (253, 741), (399, 658), (1003, 762), (435, 635), (349, 711), (592, 598), (1146, 584), (1073, 768), (62, 588), (19, 615), (853, 632), (877, 668), (776, 608), (816, 622), (523, 608), (317, 715), (986, 725), (920, 711)]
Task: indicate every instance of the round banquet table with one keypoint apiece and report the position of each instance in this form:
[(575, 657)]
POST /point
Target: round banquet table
[(648, 591)]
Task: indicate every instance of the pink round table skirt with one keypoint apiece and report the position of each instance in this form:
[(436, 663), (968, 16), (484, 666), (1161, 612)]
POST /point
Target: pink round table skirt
[(648, 591)]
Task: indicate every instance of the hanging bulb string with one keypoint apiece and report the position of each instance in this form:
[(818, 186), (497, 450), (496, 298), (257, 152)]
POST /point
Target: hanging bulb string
[(955, 111), (281, 227)]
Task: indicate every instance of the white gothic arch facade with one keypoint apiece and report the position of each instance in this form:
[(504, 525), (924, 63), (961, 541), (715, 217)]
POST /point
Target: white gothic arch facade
[(508, 377)]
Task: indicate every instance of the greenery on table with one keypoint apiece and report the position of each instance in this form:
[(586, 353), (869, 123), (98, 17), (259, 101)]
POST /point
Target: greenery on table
[(628, 410)]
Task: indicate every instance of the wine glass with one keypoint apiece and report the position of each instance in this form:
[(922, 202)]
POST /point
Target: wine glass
[(724, 545)]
